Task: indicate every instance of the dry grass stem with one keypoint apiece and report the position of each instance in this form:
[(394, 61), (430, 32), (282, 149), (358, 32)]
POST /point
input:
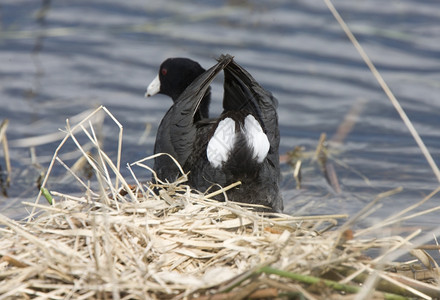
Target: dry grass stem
[(386, 89), (4, 142)]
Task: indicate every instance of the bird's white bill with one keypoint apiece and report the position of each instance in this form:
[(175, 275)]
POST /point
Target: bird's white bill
[(153, 88)]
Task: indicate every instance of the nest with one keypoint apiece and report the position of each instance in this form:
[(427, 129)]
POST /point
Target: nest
[(122, 241)]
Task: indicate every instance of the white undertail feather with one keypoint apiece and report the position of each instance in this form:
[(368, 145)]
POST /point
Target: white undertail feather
[(257, 140), (221, 143)]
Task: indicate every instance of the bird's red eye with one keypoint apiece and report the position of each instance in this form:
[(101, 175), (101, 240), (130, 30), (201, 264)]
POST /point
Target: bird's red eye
[(164, 71)]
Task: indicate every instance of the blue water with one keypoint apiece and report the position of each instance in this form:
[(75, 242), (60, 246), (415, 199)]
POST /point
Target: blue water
[(61, 58)]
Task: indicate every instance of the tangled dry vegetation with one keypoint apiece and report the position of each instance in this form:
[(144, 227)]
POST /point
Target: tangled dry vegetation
[(121, 241)]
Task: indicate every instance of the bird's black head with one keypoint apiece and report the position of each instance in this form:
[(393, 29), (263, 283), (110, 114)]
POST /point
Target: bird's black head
[(175, 75)]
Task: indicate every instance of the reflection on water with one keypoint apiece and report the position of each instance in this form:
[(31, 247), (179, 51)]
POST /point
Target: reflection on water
[(62, 58)]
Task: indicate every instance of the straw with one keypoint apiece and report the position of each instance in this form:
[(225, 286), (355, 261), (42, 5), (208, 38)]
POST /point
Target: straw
[(129, 242)]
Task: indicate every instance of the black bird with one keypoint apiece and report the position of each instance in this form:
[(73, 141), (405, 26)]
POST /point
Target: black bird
[(240, 145)]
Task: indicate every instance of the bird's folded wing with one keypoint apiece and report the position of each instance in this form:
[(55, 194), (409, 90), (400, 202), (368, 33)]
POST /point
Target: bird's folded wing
[(182, 128)]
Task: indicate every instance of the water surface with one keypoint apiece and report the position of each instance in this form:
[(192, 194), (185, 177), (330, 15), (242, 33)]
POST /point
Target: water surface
[(61, 58)]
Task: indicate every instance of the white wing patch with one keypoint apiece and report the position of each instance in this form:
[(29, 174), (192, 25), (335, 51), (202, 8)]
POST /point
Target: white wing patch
[(256, 138), (221, 143)]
